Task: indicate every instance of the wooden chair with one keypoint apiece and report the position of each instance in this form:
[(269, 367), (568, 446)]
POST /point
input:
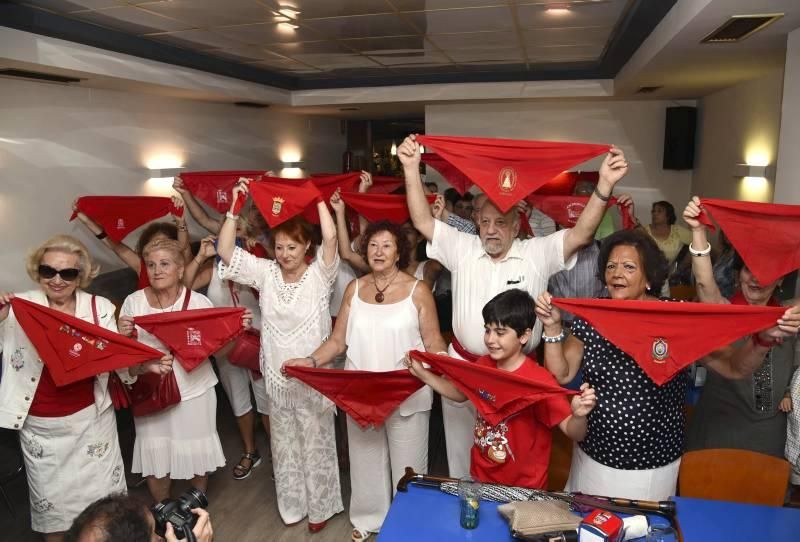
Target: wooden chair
[(734, 475)]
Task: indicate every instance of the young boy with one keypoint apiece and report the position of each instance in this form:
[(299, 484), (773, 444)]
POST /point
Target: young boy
[(515, 452)]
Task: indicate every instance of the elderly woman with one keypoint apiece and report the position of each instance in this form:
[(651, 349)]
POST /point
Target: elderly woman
[(68, 433), (132, 257), (742, 413), (384, 314), (180, 442), (236, 381), (632, 447), (294, 297)]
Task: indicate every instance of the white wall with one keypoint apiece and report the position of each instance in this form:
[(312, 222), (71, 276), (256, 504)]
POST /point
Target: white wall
[(635, 126), (787, 185), (59, 142), (739, 125)]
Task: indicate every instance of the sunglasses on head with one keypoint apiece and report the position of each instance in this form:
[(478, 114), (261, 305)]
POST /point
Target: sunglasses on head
[(68, 275)]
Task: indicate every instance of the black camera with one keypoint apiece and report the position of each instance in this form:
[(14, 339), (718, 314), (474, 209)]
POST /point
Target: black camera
[(179, 513)]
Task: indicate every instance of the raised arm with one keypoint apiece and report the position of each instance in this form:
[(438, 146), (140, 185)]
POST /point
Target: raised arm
[(563, 358), (123, 252), (328, 234), (702, 269), (195, 209), (346, 252), (198, 272), (409, 154), (183, 230), (226, 240), (613, 169)]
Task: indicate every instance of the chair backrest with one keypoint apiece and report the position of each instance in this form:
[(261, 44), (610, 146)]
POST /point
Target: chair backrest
[(734, 475)]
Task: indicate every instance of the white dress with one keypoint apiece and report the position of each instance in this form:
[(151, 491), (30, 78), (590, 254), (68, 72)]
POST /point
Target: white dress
[(378, 337), (295, 321), (180, 441), (72, 460), (237, 381)]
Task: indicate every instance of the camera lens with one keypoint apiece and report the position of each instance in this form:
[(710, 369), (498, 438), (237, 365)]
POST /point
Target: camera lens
[(195, 498)]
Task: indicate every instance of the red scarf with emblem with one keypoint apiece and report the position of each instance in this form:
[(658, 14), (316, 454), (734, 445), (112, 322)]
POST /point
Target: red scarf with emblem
[(368, 397), (565, 210), (120, 215), (73, 349), (215, 187), (193, 335), (507, 170), (766, 235), (376, 207), (664, 338), (496, 394), (280, 201)]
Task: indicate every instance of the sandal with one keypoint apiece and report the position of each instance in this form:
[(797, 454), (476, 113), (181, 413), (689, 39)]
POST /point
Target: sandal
[(359, 535), (240, 472)]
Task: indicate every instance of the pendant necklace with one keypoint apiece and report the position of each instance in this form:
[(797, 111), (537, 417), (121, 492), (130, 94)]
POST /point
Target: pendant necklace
[(379, 297)]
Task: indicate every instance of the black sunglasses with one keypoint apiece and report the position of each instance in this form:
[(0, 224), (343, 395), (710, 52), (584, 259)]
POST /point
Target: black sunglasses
[(68, 275)]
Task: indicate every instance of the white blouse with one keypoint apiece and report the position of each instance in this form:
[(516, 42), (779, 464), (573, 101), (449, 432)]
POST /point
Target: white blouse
[(202, 378), (295, 318)]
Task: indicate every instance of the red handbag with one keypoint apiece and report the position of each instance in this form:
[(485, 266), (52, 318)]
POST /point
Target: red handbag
[(152, 393), (245, 352)]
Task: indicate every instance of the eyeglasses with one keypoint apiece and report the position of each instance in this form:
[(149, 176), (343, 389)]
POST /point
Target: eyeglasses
[(68, 275)]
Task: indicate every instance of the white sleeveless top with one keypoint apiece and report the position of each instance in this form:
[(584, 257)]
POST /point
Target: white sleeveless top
[(378, 338), (219, 292)]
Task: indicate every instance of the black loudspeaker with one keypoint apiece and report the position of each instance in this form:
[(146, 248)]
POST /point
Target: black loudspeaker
[(679, 133)]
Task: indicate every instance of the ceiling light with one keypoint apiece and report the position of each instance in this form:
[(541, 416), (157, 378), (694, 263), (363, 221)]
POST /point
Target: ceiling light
[(281, 19), (557, 9)]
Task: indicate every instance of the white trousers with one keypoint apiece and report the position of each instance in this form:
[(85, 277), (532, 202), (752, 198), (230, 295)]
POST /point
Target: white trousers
[(237, 381), (588, 476), (305, 464), (378, 458), (459, 427)]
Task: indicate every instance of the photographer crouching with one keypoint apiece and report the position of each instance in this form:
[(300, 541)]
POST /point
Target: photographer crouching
[(122, 518)]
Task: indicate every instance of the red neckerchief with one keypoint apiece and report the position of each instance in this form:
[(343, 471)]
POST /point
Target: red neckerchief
[(215, 187), (73, 349), (766, 235), (120, 215), (368, 397), (664, 338), (565, 210), (376, 207)]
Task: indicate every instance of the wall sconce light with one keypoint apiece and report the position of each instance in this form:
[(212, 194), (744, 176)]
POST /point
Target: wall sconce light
[(165, 173), (393, 150), (748, 170), (286, 165)]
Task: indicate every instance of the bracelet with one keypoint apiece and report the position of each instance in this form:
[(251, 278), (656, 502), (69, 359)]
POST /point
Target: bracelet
[(705, 252), (313, 360), (231, 216), (101, 235), (601, 196), (182, 228), (556, 339)]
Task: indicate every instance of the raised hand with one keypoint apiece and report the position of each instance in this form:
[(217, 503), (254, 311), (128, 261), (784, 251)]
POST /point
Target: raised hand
[(207, 248), (547, 313), (337, 203), (178, 186), (438, 207), (242, 189), (613, 169), (408, 152), (366, 181), (692, 211)]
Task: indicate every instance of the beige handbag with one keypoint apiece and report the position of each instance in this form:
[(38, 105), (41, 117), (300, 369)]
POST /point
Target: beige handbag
[(529, 519)]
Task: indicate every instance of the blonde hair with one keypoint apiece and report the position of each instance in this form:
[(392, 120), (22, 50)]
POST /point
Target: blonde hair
[(70, 245), (167, 245)]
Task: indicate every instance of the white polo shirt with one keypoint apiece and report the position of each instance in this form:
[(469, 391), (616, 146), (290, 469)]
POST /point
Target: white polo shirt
[(477, 278)]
